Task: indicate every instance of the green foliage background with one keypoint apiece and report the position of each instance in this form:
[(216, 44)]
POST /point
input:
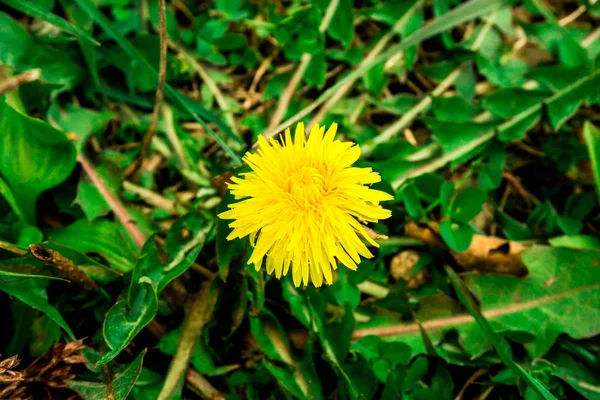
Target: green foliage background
[(480, 115)]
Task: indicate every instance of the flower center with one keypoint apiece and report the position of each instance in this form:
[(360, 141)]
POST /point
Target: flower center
[(306, 184)]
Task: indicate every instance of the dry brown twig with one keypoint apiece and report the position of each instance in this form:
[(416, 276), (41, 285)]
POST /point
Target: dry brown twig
[(198, 315), (18, 80), (63, 265), (162, 74)]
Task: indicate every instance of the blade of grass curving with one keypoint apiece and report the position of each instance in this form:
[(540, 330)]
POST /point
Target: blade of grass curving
[(463, 13), (182, 101), (497, 341), (33, 10)]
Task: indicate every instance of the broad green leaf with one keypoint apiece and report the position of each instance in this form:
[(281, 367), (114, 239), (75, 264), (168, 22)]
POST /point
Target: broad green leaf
[(33, 293), (490, 175), (34, 157), (123, 322), (411, 201), (101, 237), (501, 346), (508, 102), (551, 292), (561, 108), (453, 135), (457, 235), (20, 50), (467, 204), (315, 72), (454, 108), (121, 384), (591, 135), (153, 271), (341, 26), (32, 9)]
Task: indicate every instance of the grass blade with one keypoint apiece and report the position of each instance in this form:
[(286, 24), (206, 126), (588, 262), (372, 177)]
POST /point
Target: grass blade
[(591, 133), (33, 10), (497, 341), (463, 13), (183, 102)]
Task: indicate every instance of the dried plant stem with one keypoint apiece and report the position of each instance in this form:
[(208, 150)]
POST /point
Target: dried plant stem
[(407, 119), (197, 316), (212, 86), (160, 90), (63, 265), (12, 248), (154, 199), (292, 85), (113, 202), (383, 42), (18, 80), (173, 137)]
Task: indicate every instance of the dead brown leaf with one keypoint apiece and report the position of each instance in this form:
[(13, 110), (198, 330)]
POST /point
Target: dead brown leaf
[(485, 254)]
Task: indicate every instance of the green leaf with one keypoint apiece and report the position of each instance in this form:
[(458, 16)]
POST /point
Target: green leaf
[(33, 293), (520, 127), (591, 135), (581, 379), (184, 102), (271, 338), (153, 271), (465, 12), (315, 72), (411, 201), (454, 108), (27, 267), (101, 237), (81, 122), (561, 108), (35, 157), (576, 242), (33, 10), (497, 341), (341, 27), (457, 235), (452, 135), (20, 50), (375, 80), (490, 175), (507, 102), (467, 204), (121, 384)]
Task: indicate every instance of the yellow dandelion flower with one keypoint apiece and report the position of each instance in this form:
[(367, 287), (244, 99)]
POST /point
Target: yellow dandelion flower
[(302, 204)]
